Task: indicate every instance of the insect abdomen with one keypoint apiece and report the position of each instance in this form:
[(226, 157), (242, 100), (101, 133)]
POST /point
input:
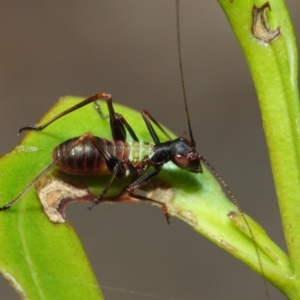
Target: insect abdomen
[(85, 158)]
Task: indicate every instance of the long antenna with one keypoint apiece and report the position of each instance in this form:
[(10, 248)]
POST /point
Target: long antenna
[(181, 74), (231, 195), (208, 164)]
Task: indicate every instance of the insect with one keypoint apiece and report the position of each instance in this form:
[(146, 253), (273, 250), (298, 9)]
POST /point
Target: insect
[(92, 155)]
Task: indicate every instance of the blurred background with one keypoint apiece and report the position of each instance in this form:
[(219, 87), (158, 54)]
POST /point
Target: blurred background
[(128, 48)]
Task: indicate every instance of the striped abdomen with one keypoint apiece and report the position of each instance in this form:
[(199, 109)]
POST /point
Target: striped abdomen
[(85, 158)]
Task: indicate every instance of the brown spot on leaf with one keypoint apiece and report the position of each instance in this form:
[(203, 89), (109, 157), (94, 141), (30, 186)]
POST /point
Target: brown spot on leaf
[(238, 220), (260, 28), (57, 190), (159, 191), (55, 193)]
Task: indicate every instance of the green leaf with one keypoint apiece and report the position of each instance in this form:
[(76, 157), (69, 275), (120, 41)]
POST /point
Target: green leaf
[(273, 65), (39, 256)]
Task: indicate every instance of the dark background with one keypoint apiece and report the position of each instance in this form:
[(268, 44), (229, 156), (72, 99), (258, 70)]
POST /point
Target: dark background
[(128, 48)]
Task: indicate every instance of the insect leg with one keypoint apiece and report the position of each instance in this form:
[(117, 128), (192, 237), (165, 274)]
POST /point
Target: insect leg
[(117, 123), (142, 181), (93, 98), (147, 118), (116, 172)]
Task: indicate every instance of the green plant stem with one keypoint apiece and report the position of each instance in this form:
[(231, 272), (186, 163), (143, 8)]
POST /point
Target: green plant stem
[(274, 70)]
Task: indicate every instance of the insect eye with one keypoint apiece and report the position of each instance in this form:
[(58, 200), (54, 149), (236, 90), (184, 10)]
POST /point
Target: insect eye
[(180, 160)]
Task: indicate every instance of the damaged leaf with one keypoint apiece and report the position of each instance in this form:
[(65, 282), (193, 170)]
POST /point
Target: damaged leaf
[(195, 198), (260, 27)]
